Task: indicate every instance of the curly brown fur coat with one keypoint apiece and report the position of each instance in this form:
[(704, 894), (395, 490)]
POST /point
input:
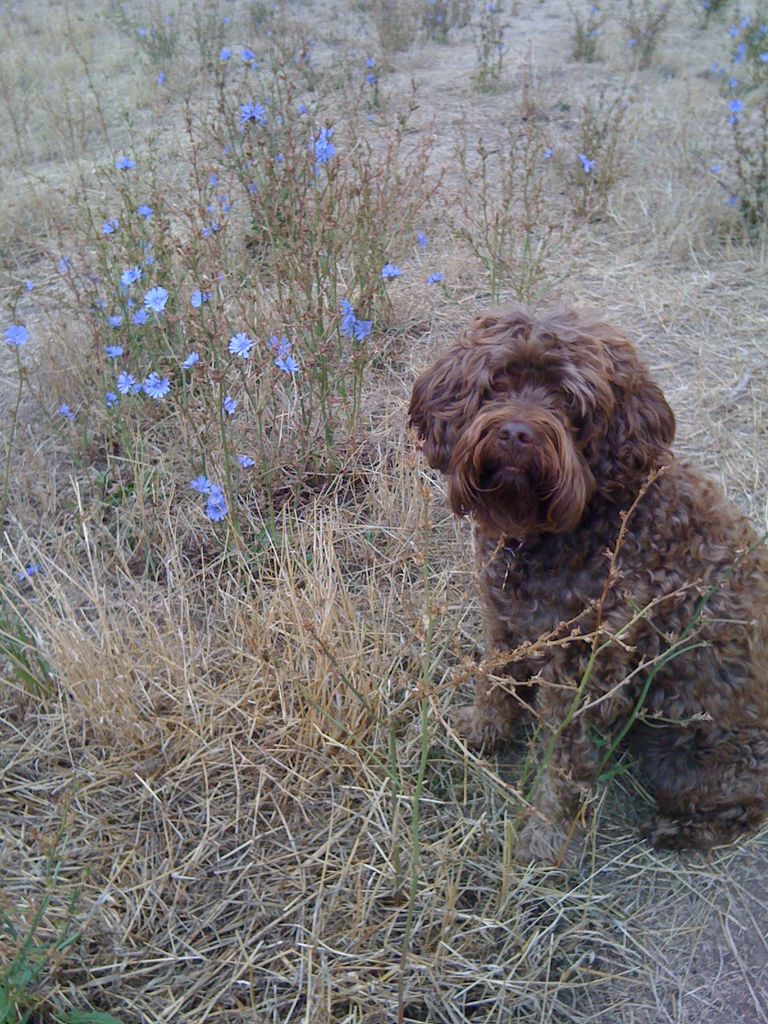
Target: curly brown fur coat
[(650, 590)]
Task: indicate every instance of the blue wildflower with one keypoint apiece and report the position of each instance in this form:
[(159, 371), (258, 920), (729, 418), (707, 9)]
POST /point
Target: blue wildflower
[(301, 108), (124, 163), (16, 335), (435, 278), (422, 239), (115, 321), (63, 265), (145, 211), (216, 505), (225, 53), (279, 345), (587, 164), (199, 298), (229, 405), (351, 327), (347, 317), (29, 285), (213, 180), (284, 360), (715, 169), (128, 277), (155, 299), (161, 78), (246, 461), (111, 399), (110, 226), (156, 386), (28, 572), (253, 112), (362, 329), (247, 55), (240, 345), (324, 148), (287, 363), (127, 384), (548, 153), (735, 106), (201, 484), (114, 351), (190, 361), (389, 270), (66, 412), (140, 317)]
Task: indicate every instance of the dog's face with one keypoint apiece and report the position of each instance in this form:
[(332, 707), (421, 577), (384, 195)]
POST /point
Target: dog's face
[(531, 418)]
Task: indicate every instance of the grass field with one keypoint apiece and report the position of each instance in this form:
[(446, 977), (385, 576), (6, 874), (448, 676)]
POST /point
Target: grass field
[(231, 235)]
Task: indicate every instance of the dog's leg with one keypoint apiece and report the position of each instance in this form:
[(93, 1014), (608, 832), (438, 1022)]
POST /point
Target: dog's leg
[(491, 719), (711, 784), (500, 701), (564, 785)]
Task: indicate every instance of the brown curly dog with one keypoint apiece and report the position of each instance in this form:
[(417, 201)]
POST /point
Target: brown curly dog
[(624, 598)]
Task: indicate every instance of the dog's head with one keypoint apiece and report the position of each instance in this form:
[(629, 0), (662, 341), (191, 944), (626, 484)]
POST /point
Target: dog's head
[(529, 418)]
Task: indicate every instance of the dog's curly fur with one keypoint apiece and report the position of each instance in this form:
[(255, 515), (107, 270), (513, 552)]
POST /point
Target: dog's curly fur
[(651, 590)]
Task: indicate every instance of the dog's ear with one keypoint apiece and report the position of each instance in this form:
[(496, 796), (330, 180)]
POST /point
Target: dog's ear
[(440, 401), (450, 392), (640, 429)]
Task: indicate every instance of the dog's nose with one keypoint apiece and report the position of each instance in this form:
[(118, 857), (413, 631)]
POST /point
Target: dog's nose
[(516, 434)]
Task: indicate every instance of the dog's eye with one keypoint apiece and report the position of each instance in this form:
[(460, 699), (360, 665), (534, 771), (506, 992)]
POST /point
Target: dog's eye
[(580, 423), (505, 380)]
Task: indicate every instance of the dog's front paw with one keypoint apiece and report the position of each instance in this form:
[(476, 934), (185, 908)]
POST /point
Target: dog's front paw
[(480, 729), (541, 842)]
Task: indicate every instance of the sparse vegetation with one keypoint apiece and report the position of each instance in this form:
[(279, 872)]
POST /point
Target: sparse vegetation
[(644, 25), (490, 46), (441, 16), (507, 219), (745, 89), (600, 159), (587, 29), (235, 613)]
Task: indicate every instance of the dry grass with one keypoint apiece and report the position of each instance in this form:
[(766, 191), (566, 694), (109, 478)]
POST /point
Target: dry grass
[(229, 789)]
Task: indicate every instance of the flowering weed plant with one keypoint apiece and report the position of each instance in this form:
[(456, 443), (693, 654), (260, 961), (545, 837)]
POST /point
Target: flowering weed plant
[(505, 217), (743, 173)]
